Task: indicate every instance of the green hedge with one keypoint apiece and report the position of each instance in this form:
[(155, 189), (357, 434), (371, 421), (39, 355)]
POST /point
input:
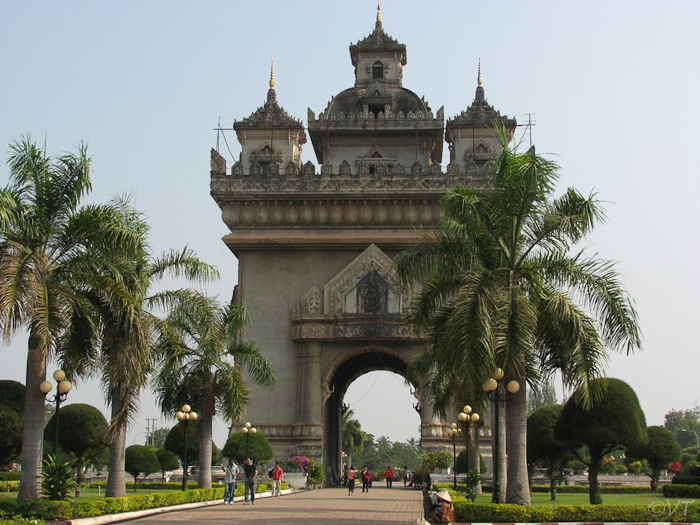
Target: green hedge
[(10, 476), (674, 490), (9, 486), (62, 510), (686, 480), (565, 489), (506, 513), (155, 485)]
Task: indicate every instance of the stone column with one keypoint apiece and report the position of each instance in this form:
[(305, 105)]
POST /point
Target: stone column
[(310, 402)]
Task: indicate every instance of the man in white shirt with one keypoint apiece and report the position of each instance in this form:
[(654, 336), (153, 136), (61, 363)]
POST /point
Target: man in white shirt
[(231, 470)]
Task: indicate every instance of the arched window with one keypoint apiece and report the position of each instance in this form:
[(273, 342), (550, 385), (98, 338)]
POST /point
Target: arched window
[(377, 70)]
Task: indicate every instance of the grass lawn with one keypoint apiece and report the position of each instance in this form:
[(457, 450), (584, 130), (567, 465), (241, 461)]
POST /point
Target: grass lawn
[(92, 494), (541, 498)]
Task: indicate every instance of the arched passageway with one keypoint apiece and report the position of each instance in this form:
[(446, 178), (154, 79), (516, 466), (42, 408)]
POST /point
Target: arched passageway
[(368, 360)]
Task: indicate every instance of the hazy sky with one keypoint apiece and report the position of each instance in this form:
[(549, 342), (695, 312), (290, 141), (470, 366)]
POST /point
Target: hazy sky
[(613, 89)]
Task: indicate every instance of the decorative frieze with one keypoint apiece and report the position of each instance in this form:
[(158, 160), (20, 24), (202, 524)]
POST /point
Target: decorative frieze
[(331, 213), (356, 328)]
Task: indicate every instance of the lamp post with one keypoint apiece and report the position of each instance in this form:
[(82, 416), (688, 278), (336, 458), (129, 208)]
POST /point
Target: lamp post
[(62, 388), (469, 419), (185, 415), (452, 432), (248, 430), (697, 439), (496, 390)]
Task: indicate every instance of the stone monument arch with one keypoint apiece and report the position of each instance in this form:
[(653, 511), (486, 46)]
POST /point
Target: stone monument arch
[(315, 247)]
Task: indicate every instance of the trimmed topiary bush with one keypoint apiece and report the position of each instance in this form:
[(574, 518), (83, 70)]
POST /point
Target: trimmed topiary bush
[(681, 491)]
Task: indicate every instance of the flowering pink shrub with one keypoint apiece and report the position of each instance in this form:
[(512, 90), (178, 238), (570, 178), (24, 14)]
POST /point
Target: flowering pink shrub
[(298, 462)]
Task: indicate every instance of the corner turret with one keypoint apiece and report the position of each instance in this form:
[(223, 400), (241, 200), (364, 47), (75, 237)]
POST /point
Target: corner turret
[(271, 139), (474, 146)]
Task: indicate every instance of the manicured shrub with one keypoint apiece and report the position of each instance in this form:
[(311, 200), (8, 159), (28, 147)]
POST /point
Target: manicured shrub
[(9, 476), (9, 486), (681, 491), (507, 513), (686, 480)]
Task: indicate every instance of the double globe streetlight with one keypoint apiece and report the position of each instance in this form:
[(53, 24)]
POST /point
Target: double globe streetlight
[(470, 420), (496, 390), (185, 415), (62, 388), (247, 431)]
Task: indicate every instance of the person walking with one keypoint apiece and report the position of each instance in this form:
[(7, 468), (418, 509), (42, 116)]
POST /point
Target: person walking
[(251, 473), (389, 475), (277, 474), (352, 474), (230, 472), (406, 475)]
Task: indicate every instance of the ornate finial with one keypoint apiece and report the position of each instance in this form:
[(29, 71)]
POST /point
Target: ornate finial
[(379, 12), (478, 79), (272, 73)]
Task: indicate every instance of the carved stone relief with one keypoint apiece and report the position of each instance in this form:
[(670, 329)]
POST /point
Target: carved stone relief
[(347, 290)]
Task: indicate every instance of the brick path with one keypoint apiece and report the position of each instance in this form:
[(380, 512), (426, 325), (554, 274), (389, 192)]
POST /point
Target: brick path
[(316, 507)]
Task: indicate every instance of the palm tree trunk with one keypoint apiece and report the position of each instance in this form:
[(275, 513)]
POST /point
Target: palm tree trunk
[(518, 487), (33, 430), (205, 439), (116, 479)]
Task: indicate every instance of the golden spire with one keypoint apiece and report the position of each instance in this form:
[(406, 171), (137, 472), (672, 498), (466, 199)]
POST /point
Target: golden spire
[(379, 12), (478, 78), (272, 73)]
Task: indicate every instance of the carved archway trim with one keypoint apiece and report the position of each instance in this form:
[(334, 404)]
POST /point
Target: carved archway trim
[(333, 367)]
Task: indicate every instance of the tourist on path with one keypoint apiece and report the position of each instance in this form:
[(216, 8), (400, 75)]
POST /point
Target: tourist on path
[(251, 474), (352, 474), (277, 473), (366, 479), (389, 475), (230, 473), (406, 475)]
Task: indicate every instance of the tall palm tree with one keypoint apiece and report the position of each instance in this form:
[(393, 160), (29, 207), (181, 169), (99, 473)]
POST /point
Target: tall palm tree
[(201, 361), (501, 288), (126, 356), (53, 252), (352, 435)]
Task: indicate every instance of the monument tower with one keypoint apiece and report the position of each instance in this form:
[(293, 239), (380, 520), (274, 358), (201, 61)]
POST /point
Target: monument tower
[(315, 248)]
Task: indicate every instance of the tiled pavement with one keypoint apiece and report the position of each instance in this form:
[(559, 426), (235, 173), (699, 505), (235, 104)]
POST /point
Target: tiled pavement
[(326, 506)]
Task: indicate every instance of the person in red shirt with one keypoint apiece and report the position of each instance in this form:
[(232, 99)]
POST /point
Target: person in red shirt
[(277, 473), (389, 475)]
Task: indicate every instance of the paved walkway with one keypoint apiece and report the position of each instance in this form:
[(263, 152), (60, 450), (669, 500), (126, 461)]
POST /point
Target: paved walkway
[(316, 507)]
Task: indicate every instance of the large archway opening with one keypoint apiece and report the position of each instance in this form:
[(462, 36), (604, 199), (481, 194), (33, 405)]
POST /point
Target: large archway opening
[(369, 368)]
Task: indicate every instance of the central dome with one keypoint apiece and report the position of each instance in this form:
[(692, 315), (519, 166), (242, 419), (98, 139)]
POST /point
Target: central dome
[(375, 100)]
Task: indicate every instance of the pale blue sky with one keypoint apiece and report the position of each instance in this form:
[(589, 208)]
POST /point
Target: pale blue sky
[(614, 88)]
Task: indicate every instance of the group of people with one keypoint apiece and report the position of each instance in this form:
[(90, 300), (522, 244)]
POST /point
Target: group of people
[(250, 475), (366, 478)]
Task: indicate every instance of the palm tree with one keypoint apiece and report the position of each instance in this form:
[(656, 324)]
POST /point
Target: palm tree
[(126, 357), (52, 255), (500, 288), (201, 361), (352, 435)]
